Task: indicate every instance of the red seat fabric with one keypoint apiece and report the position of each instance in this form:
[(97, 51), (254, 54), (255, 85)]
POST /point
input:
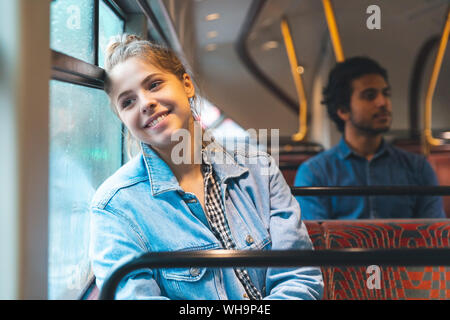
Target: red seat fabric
[(395, 282), (316, 233), (289, 164)]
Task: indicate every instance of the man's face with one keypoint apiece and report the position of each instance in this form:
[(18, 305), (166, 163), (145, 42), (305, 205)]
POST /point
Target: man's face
[(370, 105)]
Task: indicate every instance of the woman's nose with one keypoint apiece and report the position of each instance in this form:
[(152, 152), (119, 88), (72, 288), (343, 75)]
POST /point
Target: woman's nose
[(148, 103), (146, 107)]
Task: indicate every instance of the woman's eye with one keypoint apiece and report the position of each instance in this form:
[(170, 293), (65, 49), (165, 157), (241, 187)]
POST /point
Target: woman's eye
[(125, 103), (154, 84)]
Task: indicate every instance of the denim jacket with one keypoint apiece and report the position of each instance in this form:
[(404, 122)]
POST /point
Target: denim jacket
[(142, 208)]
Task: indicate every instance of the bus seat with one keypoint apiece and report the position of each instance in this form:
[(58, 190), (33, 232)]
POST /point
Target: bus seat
[(316, 233), (292, 154), (289, 163), (352, 283)]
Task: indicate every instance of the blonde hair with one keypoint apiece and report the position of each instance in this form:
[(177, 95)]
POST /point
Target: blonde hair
[(125, 46)]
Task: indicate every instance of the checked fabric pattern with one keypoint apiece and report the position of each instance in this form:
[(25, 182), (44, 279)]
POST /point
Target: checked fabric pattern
[(395, 282), (216, 217)]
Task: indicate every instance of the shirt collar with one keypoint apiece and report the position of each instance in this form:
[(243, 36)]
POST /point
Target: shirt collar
[(344, 151), (162, 178)]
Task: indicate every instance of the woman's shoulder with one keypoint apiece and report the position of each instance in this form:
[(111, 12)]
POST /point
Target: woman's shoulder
[(129, 174), (243, 151)]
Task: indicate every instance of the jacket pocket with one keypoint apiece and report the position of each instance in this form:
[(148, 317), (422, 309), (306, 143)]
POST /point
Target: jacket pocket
[(183, 274), (189, 283)]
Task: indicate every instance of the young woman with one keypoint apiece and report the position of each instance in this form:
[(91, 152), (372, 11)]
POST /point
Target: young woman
[(157, 203)]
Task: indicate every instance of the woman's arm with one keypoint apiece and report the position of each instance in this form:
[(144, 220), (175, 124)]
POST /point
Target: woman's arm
[(114, 242), (288, 232)]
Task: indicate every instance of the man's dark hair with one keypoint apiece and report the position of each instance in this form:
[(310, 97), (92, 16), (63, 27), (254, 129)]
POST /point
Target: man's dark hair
[(339, 89)]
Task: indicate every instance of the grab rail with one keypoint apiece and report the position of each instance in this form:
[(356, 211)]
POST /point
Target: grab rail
[(428, 136), (276, 258), (333, 29), (302, 102)]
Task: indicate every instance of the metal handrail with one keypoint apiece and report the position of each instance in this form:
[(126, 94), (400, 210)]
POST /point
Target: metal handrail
[(296, 75), (372, 191), (276, 258), (333, 29), (427, 134)]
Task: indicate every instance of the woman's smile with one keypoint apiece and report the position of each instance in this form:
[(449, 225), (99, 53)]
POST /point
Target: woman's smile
[(157, 121)]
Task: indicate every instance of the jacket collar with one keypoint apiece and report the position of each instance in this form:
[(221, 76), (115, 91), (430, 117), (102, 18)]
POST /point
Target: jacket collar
[(162, 178)]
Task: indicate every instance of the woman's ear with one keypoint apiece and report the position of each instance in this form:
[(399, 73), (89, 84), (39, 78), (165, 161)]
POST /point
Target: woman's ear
[(188, 85)]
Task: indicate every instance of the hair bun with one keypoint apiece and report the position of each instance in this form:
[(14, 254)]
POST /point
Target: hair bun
[(120, 40)]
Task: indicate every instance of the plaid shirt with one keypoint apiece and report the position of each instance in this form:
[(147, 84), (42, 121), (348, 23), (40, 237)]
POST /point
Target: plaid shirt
[(215, 214)]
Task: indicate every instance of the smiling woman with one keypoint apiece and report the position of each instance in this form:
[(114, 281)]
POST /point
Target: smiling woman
[(143, 95), (154, 203)]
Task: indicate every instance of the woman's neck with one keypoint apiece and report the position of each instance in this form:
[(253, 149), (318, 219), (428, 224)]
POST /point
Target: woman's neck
[(184, 157)]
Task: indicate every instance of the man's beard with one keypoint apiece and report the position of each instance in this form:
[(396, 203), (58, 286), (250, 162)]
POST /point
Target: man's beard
[(368, 129)]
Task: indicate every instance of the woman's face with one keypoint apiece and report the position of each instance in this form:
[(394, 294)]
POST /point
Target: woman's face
[(152, 103)]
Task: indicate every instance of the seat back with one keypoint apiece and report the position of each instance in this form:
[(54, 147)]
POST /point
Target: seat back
[(289, 164), (357, 283)]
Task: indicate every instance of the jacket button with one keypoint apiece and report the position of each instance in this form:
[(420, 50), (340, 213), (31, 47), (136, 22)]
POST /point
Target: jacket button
[(249, 240), (245, 295), (194, 272)]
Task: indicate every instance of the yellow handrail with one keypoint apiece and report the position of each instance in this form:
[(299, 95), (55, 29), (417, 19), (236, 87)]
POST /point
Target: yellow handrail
[(334, 33), (303, 105), (428, 136)]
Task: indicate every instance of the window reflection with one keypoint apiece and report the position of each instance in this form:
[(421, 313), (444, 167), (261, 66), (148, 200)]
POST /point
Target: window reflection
[(109, 25), (85, 148), (72, 28)]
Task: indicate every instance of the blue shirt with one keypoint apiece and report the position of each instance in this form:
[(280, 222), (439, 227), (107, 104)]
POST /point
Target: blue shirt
[(142, 208), (340, 166)]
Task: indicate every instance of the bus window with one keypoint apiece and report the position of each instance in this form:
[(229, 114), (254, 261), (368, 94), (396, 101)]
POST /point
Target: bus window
[(72, 28), (85, 143), (109, 25)]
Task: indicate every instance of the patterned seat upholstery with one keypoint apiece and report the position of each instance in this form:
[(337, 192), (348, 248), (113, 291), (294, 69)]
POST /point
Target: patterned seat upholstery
[(394, 282)]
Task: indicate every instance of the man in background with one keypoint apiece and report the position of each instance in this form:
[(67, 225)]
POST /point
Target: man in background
[(358, 100)]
